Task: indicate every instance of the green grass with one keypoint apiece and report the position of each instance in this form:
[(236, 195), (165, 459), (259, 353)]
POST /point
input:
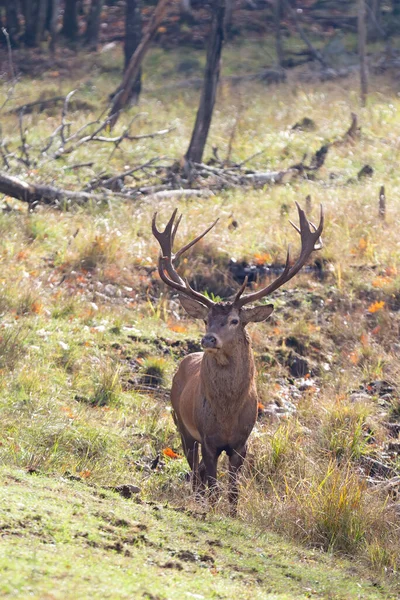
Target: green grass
[(62, 539), (85, 320)]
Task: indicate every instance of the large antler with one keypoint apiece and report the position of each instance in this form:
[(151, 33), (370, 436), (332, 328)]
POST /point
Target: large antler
[(310, 240), (167, 259)]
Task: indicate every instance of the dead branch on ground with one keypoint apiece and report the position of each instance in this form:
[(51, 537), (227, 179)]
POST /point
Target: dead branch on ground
[(34, 193), (157, 178)]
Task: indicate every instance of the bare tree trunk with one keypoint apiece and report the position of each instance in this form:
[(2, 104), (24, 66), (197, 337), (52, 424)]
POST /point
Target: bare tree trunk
[(40, 20), (29, 9), (12, 20), (278, 37), (53, 24), (210, 83), (362, 41), (374, 21), (124, 91), (228, 17), (93, 24), (70, 21), (133, 35), (186, 7)]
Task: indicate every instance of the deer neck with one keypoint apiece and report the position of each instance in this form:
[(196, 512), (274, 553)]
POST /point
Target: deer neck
[(227, 377)]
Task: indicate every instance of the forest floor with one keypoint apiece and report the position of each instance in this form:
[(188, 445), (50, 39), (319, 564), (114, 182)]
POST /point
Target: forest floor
[(90, 339)]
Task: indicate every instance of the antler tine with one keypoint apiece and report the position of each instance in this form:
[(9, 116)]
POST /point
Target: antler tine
[(310, 240), (176, 229), (167, 259), (166, 239), (241, 290), (319, 244), (184, 287), (196, 239)]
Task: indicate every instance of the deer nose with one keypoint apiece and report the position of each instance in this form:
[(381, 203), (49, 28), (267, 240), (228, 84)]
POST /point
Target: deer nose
[(209, 341)]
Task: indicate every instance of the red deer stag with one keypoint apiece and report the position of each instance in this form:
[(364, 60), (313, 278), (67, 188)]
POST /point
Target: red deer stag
[(214, 395)]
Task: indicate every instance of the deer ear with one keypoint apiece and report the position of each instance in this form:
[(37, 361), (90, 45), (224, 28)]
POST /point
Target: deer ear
[(256, 314), (193, 308)]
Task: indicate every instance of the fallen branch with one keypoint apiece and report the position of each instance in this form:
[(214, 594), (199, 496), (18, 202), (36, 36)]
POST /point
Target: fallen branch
[(25, 158), (376, 467), (109, 182), (64, 113), (34, 193), (205, 193), (313, 51), (78, 166), (388, 486), (62, 150), (382, 203), (42, 104), (272, 177), (126, 136)]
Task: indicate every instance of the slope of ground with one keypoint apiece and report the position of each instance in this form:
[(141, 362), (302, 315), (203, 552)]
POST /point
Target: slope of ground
[(61, 539), (89, 340)]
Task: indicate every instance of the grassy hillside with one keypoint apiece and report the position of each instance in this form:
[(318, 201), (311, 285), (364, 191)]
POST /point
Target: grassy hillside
[(90, 339), (64, 539)]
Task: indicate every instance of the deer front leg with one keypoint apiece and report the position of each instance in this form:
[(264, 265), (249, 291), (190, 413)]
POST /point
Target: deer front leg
[(198, 473), (235, 464), (210, 460)]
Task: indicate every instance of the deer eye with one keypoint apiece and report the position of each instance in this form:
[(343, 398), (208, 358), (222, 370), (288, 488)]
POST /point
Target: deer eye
[(234, 321)]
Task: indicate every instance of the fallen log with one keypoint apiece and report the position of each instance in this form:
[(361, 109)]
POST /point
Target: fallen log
[(35, 193), (204, 193), (377, 468), (272, 177)]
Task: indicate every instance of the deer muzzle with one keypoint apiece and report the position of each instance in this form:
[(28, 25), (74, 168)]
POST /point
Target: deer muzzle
[(210, 342)]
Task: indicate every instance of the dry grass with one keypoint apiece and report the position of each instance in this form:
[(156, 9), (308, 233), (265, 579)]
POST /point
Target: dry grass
[(82, 308)]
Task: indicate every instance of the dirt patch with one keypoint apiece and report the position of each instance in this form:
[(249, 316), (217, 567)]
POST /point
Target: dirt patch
[(171, 564), (189, 556), (179, 347)]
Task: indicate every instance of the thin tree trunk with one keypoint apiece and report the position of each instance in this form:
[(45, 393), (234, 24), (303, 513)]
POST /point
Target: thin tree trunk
[(53, 24), (278, 37), (210, 83), (185, 6), (70, 21), (228, 17), (40, 21), (124, 91), (133, 35), (93, 24), (30, 11), (362, 42), (12, 20), (375, 30)]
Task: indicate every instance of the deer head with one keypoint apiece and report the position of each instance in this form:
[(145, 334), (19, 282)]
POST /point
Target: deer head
[(226, 321)]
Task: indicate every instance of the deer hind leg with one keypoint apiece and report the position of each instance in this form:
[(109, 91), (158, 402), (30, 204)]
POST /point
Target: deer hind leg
[(235, 463)]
